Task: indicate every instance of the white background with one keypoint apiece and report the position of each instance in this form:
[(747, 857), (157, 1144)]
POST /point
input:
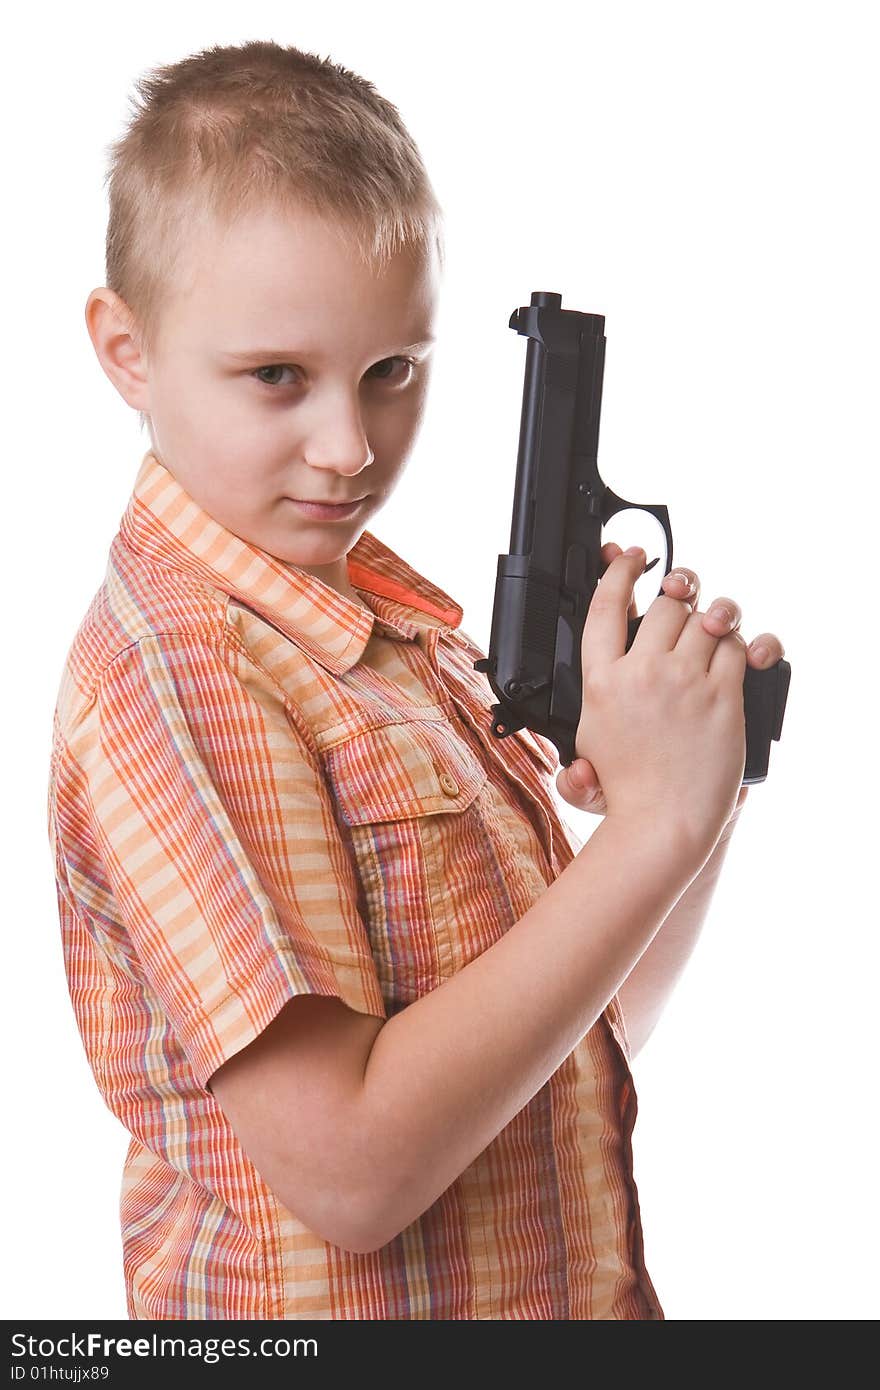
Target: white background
[(704, 175)]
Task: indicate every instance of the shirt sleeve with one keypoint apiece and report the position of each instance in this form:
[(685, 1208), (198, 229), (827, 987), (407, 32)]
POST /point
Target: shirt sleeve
[(218, 837)]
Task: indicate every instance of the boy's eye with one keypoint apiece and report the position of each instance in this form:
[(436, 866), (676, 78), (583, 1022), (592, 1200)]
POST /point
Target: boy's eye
[(275, 367), (406, 362), (384, 370)]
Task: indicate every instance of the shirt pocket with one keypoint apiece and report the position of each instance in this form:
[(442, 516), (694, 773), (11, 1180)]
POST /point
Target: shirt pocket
[(405, 795)]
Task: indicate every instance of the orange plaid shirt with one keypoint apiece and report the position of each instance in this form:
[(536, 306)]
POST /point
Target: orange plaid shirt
[(259, 789)]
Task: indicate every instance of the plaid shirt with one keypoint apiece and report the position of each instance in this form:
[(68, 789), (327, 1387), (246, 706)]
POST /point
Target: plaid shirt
[(259, 789)]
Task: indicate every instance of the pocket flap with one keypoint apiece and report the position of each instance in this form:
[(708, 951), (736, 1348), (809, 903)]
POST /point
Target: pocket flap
[(419, 767)]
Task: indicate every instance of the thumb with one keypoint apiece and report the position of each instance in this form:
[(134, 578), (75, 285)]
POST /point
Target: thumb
[(578, 783)]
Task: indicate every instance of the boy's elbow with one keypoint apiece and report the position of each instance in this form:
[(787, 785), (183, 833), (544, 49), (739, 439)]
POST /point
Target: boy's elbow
[(384, 1215), (365, 1240), (351, 1219), (374, 1222), (362, 1232), (349, 1202), (374, 1218), (378, 1201)]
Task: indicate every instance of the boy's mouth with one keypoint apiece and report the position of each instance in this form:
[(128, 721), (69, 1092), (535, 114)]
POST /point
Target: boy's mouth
[(327, 511)]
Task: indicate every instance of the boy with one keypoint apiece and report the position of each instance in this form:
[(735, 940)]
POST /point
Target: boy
[(333, 961)]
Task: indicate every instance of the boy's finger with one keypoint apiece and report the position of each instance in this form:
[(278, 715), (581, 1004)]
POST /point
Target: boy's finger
[(605, 628), (610, 552), (684, 584), (579, 785)]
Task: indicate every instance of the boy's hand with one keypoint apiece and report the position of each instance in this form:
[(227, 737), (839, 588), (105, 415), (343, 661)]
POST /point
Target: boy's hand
[(578, 784)]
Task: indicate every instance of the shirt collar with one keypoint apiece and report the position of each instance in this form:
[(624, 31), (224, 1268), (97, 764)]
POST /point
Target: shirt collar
[(164, 524)]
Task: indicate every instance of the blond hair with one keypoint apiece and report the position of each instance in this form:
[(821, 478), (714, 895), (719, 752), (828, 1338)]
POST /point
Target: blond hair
[(231, 130)]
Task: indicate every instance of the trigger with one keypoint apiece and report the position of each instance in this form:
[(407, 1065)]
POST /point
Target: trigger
[(644, 571)]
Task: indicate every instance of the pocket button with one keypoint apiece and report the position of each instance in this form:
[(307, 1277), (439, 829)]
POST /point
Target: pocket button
[(449, 784)]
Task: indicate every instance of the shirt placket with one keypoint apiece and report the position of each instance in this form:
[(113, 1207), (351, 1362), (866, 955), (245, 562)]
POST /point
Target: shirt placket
[(449, 687)]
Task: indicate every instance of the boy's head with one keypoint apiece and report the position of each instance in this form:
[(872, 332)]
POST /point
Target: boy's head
[(268, 204)]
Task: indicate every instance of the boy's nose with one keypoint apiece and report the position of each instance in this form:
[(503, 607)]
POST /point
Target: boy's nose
[(340, 443), (349, 462)]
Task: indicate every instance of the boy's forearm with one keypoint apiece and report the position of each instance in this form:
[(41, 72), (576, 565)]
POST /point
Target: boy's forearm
[(447, 1073), (646, 990)]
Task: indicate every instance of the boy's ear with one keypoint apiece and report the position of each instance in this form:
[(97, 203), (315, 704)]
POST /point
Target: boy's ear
[(113, 331)]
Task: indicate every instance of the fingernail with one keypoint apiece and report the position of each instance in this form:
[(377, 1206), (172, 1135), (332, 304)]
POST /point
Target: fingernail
[(759, 652), (636, 550), (685, 579), (721, 614)]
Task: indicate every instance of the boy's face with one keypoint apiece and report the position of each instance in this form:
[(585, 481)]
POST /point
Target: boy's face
[(280, 375)]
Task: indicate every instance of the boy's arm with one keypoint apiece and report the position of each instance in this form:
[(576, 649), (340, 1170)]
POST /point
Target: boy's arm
[(360, 1128), (646, 990)]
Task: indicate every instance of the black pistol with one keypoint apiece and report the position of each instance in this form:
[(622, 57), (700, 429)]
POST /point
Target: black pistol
[(545, 585)]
